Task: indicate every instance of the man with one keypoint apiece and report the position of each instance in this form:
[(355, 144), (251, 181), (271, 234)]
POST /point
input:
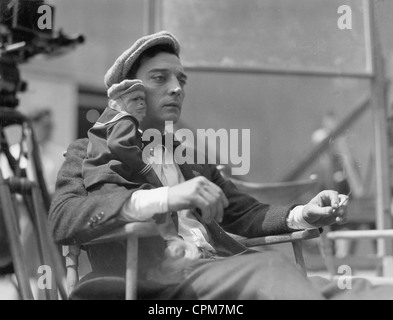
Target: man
[(204, 202)]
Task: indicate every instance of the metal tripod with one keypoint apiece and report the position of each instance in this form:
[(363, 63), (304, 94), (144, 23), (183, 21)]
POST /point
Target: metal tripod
[(31, 187)]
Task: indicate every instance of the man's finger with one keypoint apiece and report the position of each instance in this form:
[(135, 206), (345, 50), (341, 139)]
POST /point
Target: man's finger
[(224, 199), (317, 210), (212, 187), (220, 199), (329, 198), (215, 205)]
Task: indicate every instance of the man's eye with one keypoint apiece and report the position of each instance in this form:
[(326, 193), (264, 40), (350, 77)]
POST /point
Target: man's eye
[(159, 78)]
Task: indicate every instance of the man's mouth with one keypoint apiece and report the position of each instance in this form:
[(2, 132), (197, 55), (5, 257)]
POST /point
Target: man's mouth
[(173, 104)]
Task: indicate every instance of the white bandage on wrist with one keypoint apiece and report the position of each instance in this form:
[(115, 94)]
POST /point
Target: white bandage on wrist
[(144, 204), (295, 219)]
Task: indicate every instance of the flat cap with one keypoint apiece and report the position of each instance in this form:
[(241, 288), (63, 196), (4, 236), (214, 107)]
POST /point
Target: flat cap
[(118, 71), (126, 86)]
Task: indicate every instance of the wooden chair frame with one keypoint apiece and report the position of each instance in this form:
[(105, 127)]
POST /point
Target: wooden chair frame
[(133, 231)]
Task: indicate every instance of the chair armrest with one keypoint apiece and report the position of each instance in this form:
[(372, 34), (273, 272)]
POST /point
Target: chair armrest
[(282, 238), (138, 229)]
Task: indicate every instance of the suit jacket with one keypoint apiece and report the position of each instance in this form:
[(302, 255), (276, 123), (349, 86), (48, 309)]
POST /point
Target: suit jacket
[(77, 218)]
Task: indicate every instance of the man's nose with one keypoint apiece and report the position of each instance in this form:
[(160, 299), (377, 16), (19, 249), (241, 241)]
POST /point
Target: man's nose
[(175, 87)]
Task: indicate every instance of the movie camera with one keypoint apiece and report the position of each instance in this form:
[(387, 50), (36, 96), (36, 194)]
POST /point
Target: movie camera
[(27, 29)]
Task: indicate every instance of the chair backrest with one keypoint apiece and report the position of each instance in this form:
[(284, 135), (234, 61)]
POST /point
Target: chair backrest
[(276, 192)]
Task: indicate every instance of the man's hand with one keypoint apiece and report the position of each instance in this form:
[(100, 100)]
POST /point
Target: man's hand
[(324, 209), (200, 193)]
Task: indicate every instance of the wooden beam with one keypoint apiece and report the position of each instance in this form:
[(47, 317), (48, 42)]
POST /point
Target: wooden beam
[(152, 16), (379, 108), (313, 154), (360, 234)]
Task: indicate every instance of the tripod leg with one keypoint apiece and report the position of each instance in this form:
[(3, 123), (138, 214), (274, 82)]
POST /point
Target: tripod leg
[(11, 225), (44, 240), (50, 251)]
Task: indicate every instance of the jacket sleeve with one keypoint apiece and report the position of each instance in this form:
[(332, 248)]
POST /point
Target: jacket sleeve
[(76, 216), (248, 217)]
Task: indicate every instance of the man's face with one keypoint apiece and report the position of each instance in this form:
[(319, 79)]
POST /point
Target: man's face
[(164, 80)]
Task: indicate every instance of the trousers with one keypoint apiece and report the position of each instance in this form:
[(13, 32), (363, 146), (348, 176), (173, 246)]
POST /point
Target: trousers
[(266, 275)]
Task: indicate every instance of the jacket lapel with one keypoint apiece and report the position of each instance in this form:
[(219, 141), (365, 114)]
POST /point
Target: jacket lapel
[(186, 171)]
